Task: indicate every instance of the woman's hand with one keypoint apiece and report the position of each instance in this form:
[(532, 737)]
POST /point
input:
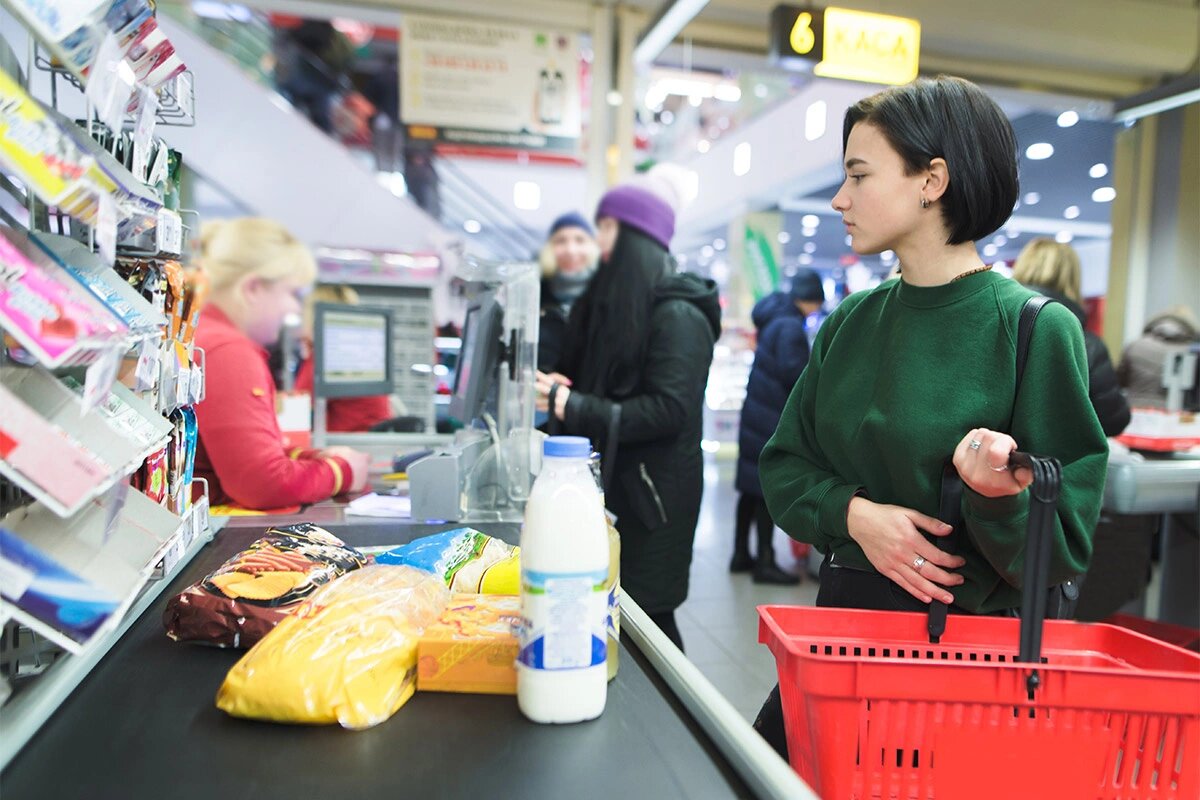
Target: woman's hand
[(360, 467), (981, 459), (545, 382), (890, 536)]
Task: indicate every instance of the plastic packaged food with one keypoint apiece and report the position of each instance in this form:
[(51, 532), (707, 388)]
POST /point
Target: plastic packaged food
[(248, 596), (348, 655), (467, 560)]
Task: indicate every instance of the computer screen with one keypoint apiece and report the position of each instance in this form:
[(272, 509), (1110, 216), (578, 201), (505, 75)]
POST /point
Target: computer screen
[(352, 351), (477, 360)]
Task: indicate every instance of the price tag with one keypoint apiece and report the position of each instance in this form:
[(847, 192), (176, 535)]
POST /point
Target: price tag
[(185, 94), (197, 388), (100, 376), (158, 167), (169, 233), (200, 526), (147, 118), (113, 505), (183, 386), (106, 227), (147, 365), (110, 83)]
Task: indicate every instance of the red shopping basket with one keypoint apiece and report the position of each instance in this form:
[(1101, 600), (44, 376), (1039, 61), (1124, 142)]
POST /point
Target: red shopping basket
[(872, 709)]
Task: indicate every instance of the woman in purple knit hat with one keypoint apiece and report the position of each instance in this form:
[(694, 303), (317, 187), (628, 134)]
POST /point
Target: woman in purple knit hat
[(632, 378)]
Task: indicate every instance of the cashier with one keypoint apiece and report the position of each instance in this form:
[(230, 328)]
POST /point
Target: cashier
[(259, 275)]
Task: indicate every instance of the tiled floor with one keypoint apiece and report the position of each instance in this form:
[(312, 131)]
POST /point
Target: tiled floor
[(718, 622)]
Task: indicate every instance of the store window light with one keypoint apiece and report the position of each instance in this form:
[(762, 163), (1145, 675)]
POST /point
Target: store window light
[(1098, 170), (1063, 237), (741, 159), (527, 195), (810, 220), (1067, 119), (1105, 194), (816, 119), (1039, 151), (1071, 212), (472, 226)]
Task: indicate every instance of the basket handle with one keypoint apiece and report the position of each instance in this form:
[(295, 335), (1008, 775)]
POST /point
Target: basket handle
[(1043, 507)]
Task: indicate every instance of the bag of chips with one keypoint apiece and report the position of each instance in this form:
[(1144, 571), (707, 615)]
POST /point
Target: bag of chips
[(243, 600), (467, 560), (348, 655)]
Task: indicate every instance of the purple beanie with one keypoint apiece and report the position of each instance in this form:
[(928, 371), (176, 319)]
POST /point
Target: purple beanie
[(639, 208)]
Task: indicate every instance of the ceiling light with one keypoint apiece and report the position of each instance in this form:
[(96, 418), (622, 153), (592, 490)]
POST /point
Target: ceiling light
[(527, 195), (888, 255), (809, 232), (706, 251), (1105, 194), (1063, 237), (849, 239), (806, 259), (703, 145), (1067, 119), (1098, 170), (718, 244), (666, 118), (810, 247), (990, 250), (1032, 198), (760, 90), (727, 92), (1000, 240), (810, 220), (1071, 212), (784, 237), (815, 120), (1039, 151), (741, 159), (695, 100), (472, 226), (614, 98)]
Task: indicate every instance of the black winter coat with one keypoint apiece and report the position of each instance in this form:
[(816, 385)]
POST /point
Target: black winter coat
[(658, 476), (781, 355), (1103, 390)]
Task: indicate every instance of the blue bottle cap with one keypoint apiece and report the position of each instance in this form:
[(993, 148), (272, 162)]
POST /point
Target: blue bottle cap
[(567, 447)]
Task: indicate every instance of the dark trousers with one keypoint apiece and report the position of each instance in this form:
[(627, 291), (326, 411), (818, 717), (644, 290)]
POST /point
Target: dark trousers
[(752, 508), (665, 621)]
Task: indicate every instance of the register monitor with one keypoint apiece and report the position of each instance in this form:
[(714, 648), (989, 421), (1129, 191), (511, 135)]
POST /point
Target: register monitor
[(352, 351), (478, 359)]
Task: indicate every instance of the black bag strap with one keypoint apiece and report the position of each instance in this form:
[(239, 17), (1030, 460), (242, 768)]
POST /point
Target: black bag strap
[(553, 423), (950, 505)]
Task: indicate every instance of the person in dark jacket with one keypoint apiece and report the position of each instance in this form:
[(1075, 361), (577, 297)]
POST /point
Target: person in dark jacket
[(780, 357), (1052, 269), (636, 362), (568, 260)]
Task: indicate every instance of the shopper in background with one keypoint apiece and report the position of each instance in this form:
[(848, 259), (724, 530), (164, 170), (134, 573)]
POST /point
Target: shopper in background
[(259, 274), (779, 358), (636, 361), (1141, 371), (568, 260), (1052, 269), (921, 372), (342, 414)]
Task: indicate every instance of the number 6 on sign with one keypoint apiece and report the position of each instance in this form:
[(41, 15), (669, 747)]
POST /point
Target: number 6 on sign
[(802, 38)]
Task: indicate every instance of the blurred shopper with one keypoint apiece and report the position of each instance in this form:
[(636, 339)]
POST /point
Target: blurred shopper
[(1141, 371), (779, 358), (313, 59), (920, 372), (568, 260), (260, 274), (342, 414), (1052, 269), (632, 379)]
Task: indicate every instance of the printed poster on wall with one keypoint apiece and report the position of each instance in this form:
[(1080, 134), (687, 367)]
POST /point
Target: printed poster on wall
[(490, 85)]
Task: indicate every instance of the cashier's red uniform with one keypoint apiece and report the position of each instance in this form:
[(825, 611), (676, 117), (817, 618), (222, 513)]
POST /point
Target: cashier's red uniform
[(345, 414), (241, 451)]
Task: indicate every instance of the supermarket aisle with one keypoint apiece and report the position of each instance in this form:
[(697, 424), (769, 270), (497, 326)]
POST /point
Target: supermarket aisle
[(718, 622)]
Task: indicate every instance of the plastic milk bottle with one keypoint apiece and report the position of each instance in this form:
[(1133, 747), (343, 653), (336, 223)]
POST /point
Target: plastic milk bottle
[(561, 669)]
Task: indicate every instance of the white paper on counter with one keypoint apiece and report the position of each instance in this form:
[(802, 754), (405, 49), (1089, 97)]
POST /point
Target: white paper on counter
[(380, 505)]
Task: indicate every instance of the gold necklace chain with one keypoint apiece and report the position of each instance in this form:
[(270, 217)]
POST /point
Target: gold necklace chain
[(971, 272)]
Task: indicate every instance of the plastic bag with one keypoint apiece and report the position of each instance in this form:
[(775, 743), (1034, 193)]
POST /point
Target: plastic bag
[(467, 560), (347, 655)]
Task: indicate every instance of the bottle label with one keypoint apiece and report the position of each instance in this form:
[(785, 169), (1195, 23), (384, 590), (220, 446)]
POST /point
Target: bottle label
[(565, 618)]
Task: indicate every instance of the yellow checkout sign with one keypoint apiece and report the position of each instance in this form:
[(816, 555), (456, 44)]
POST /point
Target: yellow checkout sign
[(847, 44)]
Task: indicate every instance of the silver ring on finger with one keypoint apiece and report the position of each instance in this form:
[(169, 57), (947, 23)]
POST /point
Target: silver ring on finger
[(975, 444), (918, 562), (1001, 468)]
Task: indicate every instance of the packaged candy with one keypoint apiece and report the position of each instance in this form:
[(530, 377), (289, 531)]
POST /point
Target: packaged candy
[(251, 592), (467, 560), (348, 655)]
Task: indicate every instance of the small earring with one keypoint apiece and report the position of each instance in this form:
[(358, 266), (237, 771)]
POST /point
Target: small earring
[(924, 202)]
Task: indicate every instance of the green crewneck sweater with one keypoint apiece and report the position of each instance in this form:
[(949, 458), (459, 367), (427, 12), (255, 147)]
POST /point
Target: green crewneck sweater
[(898, 375)]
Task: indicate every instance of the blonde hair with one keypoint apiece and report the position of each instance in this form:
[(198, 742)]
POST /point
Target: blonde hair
[(230, 251), (326, 293), (1046, 263)]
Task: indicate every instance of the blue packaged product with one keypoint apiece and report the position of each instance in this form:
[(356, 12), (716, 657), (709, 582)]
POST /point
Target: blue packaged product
[(466, 559)]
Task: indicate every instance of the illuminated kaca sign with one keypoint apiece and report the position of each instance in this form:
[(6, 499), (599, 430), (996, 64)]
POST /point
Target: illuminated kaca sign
[(853, 45)]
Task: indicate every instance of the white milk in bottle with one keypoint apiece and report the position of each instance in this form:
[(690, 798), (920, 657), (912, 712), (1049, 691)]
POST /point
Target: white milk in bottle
[(561, 671)]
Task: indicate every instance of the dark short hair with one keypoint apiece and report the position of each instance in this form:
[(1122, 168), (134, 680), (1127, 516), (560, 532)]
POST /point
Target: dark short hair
[(950, 118)]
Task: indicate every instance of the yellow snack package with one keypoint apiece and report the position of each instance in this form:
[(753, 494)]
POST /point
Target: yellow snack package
[(473, 647), (347, 655)]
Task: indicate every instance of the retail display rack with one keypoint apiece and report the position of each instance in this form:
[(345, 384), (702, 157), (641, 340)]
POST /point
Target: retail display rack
[(98, 372)]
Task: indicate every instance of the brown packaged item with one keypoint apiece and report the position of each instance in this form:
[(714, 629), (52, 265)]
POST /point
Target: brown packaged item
[(243, 600), (472, 648)]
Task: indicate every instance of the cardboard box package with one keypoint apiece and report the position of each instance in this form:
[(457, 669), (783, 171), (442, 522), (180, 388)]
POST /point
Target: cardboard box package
[(473, 647)]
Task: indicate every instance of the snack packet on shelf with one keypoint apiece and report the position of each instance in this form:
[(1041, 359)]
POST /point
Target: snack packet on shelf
[(252, 592), (467, 560), (348, 655)]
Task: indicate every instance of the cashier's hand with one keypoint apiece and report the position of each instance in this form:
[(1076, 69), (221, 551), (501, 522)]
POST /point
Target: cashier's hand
[(360, 466), (545, 381), (890, 536), (981, 459)]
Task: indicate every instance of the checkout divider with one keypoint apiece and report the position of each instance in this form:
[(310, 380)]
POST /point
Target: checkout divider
[(144, 722)]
